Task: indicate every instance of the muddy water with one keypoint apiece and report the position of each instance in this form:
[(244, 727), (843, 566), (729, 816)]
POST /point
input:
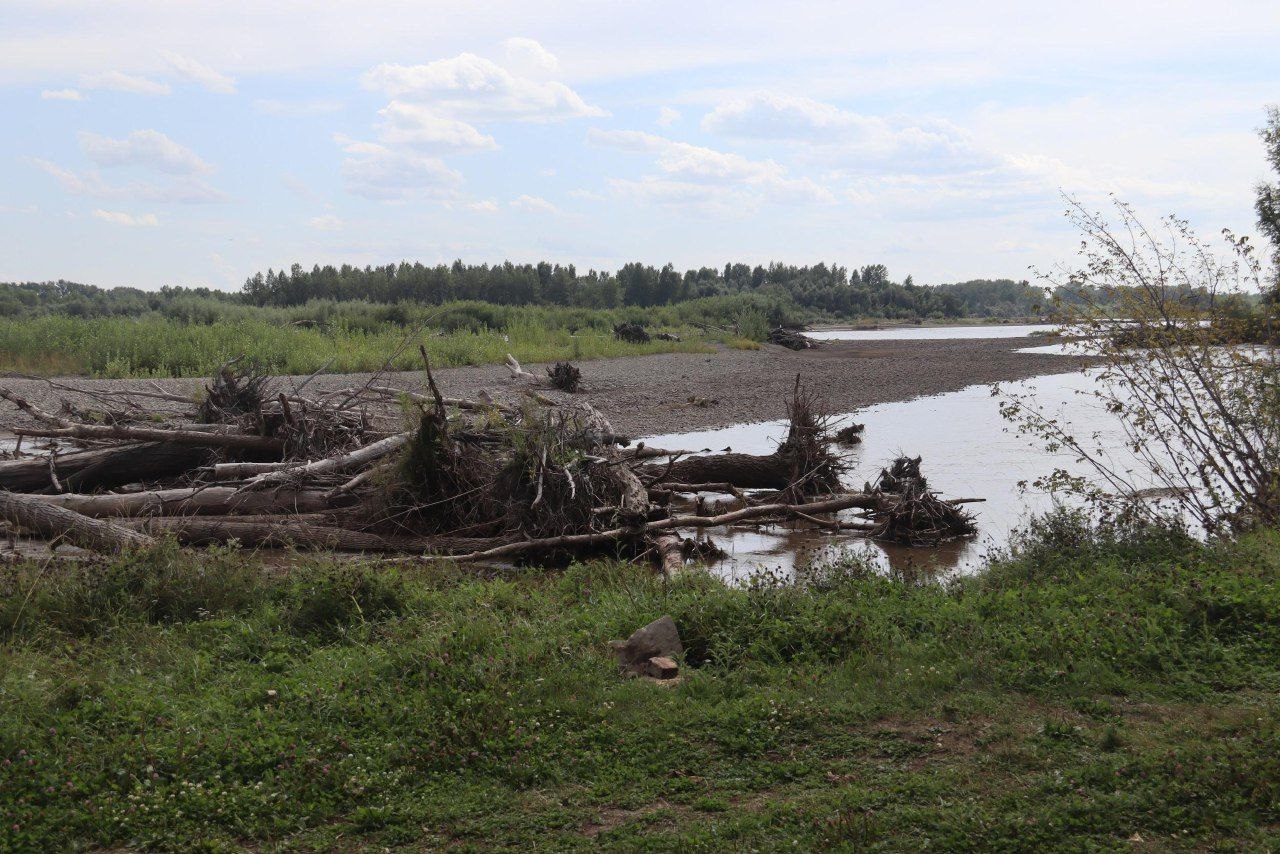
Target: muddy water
[(969, 452), (932, 333)]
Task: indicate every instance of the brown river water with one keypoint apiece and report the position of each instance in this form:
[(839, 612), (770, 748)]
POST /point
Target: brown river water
[(969, 451)]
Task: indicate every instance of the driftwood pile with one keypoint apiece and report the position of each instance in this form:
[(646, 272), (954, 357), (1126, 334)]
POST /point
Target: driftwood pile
[(464, 480), (792, 339)]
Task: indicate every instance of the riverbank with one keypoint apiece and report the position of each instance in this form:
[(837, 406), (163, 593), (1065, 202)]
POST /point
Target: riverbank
[(669, 392), (1093, 693)]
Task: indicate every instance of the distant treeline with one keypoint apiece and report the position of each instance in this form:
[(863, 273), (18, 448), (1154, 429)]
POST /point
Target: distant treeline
[(822, 288), (811, 291)]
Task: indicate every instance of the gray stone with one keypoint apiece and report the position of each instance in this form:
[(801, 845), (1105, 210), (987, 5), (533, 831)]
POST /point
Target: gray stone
[(661, 667), (659, 638)]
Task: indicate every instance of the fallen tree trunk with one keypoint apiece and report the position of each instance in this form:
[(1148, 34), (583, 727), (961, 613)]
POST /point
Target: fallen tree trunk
[(240, 471), (58, 523), (670, 550), (332, 465), (745, 471), (271, 532), (101, 468), (192, 501), (198, 438)]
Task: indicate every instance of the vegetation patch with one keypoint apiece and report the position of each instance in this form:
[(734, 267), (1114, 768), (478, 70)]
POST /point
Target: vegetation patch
[(1093, 689)]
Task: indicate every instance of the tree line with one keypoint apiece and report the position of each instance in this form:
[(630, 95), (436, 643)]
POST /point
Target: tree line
[(818, 289), (828, 289)]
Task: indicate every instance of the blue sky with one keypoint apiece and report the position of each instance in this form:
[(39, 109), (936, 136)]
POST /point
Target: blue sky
[(194, 143)]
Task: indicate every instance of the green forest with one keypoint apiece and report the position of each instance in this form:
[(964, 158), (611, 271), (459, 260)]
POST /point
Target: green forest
[(804, 292)]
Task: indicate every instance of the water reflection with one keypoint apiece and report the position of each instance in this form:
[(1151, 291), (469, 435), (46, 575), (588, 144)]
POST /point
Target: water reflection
[(969, 452), (933, 333)]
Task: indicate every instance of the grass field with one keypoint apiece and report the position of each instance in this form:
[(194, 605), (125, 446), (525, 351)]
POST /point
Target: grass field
[(161, 347), (1089, 692)]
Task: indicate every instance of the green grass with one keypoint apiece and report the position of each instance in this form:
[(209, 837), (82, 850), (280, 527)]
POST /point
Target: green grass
[(162, 347), (1083, 694)]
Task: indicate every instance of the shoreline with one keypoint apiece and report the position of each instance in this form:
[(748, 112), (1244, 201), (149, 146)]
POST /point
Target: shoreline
[(677, 392)]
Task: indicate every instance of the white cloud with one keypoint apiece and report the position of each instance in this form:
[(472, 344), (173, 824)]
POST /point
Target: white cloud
[(667, 116), (418, 126), (534, 204), (327, 222), (686, 196), (148, 148), (200, 73), (185, 190), (472, 88), (122, 82), (378, 172), (527, 56), (841, 136), (125, 219), (296, 109), (766, 115), (62, 95), (484, 206), (694, 163)]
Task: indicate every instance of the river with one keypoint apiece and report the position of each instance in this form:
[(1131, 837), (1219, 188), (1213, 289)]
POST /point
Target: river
[(969, 451)]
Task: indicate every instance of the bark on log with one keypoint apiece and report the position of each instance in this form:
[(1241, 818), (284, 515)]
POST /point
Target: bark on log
[(670, 550), (278, 533), (517, 372), (52, 523), (633, 502), (193, 501), (102, 468), (332, 465), (197, 438), (746, 471), (240, 471)]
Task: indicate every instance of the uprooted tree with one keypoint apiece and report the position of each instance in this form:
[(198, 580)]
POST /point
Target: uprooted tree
[(469, 480)]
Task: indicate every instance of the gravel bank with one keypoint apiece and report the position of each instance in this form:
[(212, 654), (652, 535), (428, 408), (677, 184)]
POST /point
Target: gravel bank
[(647, 395)]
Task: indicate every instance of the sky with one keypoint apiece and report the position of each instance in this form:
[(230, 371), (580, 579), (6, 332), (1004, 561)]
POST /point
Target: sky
[(160, 142)]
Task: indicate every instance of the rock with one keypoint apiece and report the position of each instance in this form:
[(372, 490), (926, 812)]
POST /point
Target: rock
[(659, 638), (661, 667)]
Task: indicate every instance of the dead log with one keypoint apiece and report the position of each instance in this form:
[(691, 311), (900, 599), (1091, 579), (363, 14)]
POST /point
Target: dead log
[(332, 465), (102, 468), (198, 438), (670, 549), (58, 523), (517, 372), (271, 532), (193, 501), (745, 471), (241, 471)]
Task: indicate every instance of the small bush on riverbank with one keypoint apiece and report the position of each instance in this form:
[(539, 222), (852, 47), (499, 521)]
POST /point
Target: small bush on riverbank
[(1124, 690)]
